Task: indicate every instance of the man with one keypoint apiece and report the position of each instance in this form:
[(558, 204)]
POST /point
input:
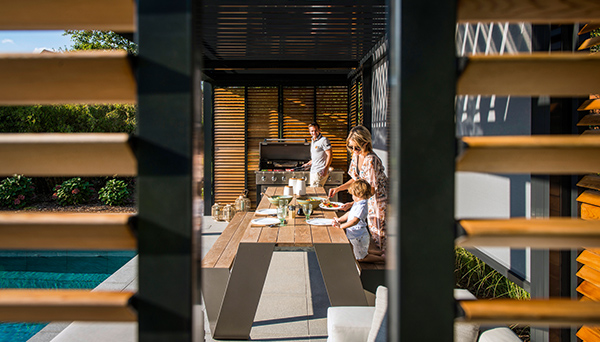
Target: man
[(320, 154)]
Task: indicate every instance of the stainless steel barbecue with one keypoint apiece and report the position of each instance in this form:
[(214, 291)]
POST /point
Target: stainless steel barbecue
[(281, 159)]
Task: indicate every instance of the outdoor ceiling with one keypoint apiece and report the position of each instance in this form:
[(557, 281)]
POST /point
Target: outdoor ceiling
[(278, 39)]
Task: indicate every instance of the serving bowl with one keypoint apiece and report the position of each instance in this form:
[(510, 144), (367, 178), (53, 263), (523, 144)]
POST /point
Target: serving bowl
[(315, 201), (275, 199)]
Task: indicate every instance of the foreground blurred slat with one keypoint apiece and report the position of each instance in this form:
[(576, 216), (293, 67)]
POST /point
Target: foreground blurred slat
[(105, 15), (70, 77), (556, 11), (66, 154), (553, 312), (541, 233), (540, 154), (589, 105), (66, 231), (65, 305), (537, 74)]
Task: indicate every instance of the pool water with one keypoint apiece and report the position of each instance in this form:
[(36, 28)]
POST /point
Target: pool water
[(53, 270)]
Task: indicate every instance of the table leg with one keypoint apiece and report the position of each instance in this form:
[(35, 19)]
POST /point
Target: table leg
[(340, 274), (214, 283), (242, 294)]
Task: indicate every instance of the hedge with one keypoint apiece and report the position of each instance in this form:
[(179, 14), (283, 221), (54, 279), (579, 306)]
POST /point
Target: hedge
[(68, 119)]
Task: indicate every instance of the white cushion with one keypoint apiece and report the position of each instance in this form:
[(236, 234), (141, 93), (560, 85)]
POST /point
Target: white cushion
[(500, 334), (378, 330), (349, 323)]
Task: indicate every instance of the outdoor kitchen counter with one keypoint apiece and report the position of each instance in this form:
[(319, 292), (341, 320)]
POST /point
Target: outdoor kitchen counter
[(248, 273)]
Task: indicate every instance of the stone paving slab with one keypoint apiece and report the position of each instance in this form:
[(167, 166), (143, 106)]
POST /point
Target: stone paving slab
[(293, 305)]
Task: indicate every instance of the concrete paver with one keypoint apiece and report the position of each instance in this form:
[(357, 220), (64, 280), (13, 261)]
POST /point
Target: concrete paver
[(293, 305)]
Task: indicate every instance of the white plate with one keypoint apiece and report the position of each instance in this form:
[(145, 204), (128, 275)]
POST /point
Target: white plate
[(271, 211), (320, 222), (265, 221), (338, 206)]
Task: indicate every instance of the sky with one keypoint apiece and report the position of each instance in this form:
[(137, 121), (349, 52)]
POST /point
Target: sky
[(32, 41)]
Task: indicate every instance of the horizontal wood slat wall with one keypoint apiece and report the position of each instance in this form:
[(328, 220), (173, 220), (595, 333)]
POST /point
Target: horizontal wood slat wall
[(66, 154), (298, 111), (65, 305), (69, 77), (300, 105), (332, 116), (263, 123), (229, 143), (105, 15)]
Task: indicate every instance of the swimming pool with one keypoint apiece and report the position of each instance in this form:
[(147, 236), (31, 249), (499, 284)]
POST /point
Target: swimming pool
[(54, 270)]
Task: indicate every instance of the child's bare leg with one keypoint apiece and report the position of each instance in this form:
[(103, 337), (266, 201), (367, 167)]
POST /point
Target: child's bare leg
[(372, 258)]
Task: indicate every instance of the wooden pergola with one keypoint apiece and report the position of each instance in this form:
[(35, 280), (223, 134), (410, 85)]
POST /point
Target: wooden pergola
[(305, 42)]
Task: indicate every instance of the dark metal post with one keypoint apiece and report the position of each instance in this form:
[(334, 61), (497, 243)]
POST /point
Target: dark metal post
[(166, 83), (421, 172), (209, 195)]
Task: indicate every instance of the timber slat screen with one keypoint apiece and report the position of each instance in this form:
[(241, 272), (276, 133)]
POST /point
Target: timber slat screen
[(58, 78), (229, 143), (562, 74), (589, 201), (245, 116)]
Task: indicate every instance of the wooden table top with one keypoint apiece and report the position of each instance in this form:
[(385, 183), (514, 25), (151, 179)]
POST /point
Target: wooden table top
[(297, 233)]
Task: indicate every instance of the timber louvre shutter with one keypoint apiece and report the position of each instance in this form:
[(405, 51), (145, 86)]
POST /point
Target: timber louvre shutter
[(229, 143), (263, 123)]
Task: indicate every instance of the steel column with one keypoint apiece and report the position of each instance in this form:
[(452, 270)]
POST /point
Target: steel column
[(422, 151), (165, 78)]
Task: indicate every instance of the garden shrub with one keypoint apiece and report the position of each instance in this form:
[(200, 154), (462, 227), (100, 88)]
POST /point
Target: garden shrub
[(73, 191), (115, 192), (16, 192), (111, 118)]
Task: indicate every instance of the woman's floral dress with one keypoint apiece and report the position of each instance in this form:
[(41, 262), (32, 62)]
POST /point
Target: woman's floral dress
[(373, 172)]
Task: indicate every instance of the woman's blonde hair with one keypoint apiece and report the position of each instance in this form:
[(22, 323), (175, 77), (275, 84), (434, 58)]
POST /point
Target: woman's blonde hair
[(362, 137), (361, 189)]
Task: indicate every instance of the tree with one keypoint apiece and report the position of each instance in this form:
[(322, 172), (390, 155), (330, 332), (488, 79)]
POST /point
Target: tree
[(100, 40)]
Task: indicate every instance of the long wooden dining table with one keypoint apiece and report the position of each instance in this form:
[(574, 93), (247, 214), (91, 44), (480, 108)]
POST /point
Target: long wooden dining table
[(247, 276)]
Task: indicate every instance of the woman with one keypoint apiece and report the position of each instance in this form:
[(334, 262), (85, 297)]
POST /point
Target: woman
[(367, 165)]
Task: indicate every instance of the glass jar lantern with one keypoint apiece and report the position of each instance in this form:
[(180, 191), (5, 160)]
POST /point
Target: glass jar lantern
[(243, 203), (228, 212), (216, 212)]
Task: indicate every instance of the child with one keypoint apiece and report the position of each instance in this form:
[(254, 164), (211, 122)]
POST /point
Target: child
[(356, 221)]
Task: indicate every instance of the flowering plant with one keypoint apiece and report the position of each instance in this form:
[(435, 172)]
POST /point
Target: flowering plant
[(73, 191), (115, 192), (16, 192)]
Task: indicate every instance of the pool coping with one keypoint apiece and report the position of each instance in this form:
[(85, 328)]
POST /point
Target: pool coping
[(124, 279)]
